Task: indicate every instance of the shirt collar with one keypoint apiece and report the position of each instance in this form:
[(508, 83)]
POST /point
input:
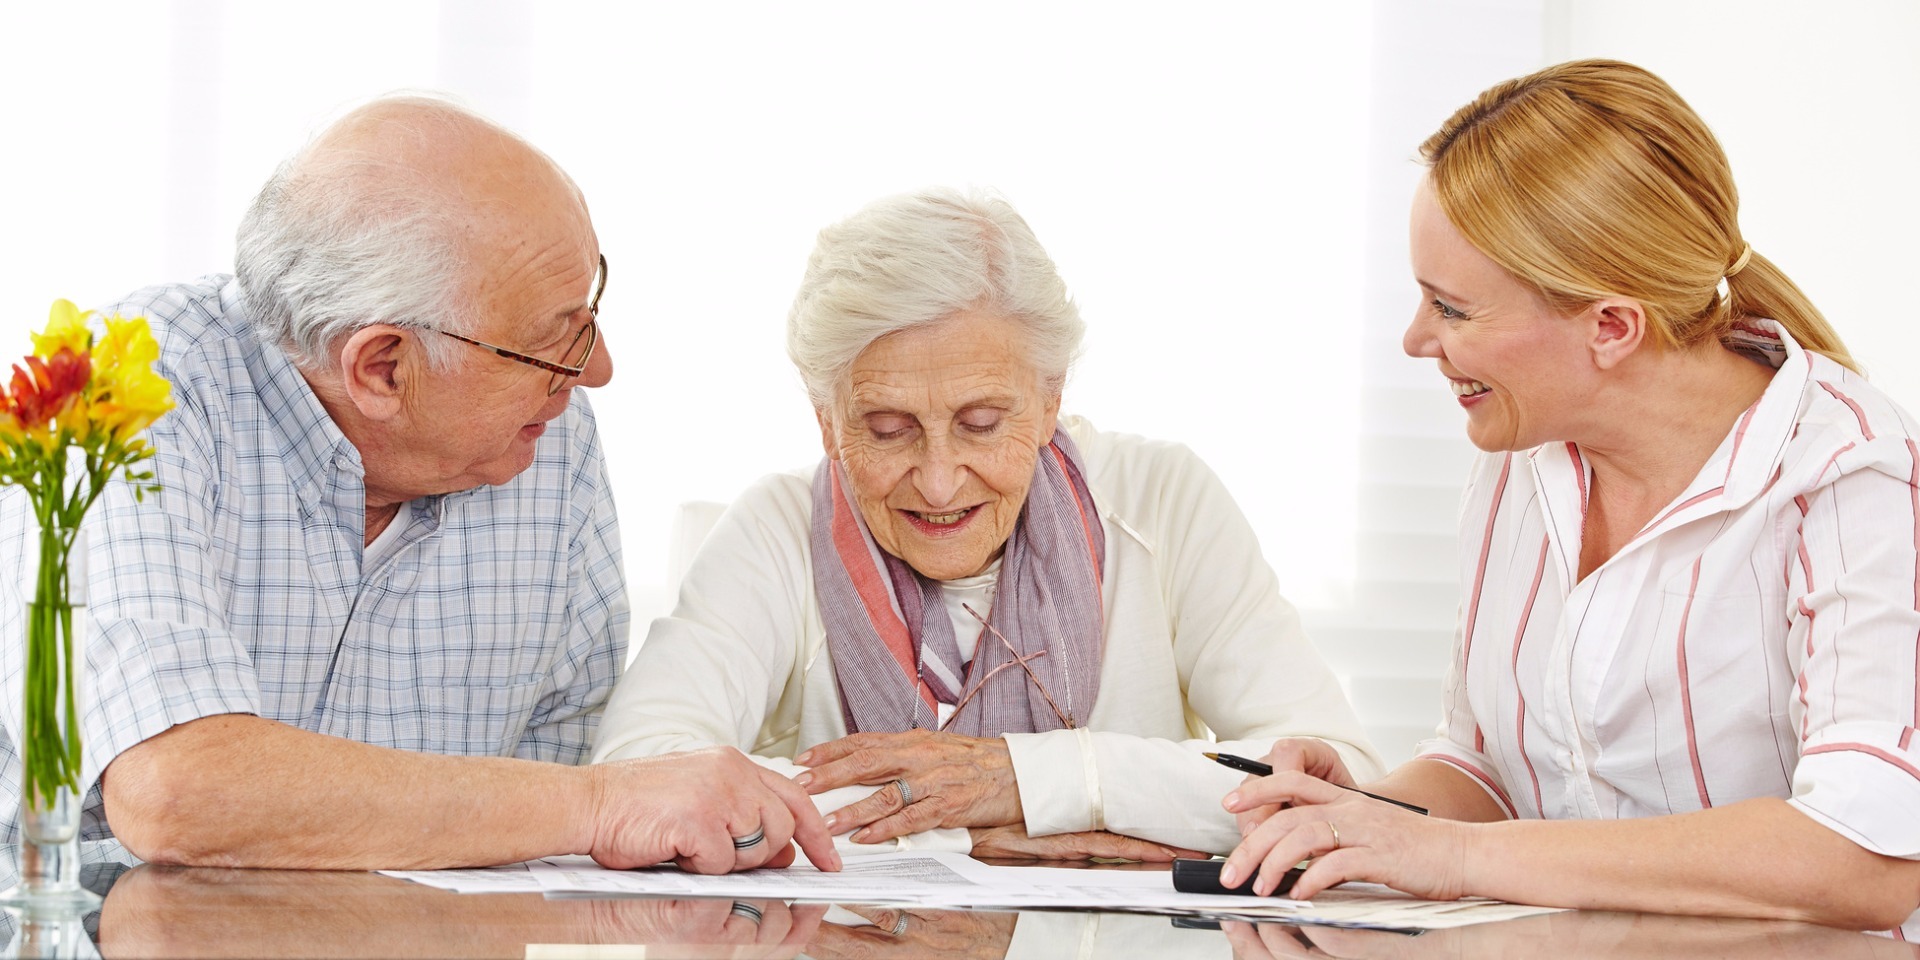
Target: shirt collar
[(321, 463), (1740, 469), (1746, 462)]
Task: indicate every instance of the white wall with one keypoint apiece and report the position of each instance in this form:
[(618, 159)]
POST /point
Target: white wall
[(1195, 178), (1224, 189), (1818, 106)]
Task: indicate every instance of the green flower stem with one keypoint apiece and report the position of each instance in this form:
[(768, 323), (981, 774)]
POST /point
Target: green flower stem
[(51, 740)]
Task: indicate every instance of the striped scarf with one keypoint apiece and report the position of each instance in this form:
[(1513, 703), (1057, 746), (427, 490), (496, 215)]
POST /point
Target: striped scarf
[(892, 641)]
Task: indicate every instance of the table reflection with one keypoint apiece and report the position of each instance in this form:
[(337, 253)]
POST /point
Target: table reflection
[(155, 911)]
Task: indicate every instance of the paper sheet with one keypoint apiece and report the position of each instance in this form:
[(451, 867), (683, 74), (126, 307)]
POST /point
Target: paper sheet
[(955, 881)]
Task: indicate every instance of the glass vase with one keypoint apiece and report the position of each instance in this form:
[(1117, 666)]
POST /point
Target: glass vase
[(51, 787)]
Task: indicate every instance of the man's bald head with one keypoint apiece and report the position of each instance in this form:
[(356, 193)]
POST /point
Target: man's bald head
[(398, 213)]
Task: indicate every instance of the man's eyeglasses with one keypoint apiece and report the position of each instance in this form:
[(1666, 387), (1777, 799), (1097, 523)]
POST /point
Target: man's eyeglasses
[(574, 362)]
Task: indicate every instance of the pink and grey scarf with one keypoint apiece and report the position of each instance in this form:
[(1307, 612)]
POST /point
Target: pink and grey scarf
[(892, 641)]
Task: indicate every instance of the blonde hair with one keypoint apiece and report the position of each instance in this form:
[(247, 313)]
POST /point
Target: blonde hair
[(1592, 179)]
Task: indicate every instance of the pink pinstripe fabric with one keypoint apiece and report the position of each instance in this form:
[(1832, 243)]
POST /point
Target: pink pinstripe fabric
[(1688, 671)]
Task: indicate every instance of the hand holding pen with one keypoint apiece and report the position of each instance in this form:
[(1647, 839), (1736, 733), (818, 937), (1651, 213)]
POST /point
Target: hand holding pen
[(1259, 769)]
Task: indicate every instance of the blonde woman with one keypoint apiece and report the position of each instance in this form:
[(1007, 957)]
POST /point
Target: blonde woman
[(1684, 678)]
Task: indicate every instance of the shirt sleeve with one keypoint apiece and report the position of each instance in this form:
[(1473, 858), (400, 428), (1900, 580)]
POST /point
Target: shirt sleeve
[(159, 652), (1854, 645), (1246, 669), (598, 618), (712, 672)]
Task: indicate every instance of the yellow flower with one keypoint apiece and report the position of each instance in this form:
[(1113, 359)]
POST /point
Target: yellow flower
[(128, 341), (129, 399), (127, 395), (66, 327)]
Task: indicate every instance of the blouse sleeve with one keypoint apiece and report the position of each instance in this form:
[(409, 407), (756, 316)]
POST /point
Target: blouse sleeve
[(1854, 647), (712, 671), (1245, 666)]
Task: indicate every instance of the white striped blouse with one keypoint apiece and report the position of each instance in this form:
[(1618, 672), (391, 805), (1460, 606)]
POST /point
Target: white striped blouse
[(1760, 638)]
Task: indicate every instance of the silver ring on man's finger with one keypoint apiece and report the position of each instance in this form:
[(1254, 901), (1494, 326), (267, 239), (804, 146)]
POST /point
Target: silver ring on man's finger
[(746, 910), (900, 924), (906, 793), (752, 839)]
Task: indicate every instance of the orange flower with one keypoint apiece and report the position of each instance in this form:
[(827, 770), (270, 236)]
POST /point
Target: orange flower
[(47, 388)]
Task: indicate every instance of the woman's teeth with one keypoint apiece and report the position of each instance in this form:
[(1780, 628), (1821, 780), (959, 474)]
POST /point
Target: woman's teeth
[(1468, 388), (944, 519)]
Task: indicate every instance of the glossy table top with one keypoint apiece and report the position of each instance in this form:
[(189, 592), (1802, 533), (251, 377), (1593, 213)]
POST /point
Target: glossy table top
[(153, 911)]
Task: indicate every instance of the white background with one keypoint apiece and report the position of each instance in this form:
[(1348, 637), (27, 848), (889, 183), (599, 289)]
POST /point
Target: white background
[(1223, 185)]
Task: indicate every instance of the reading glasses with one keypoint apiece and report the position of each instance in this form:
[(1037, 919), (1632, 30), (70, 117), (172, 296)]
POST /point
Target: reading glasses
[(579, 352)]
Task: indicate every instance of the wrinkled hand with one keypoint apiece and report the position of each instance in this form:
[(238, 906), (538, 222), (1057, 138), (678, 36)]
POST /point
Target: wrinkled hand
[(1306, 755), (1012, 843), (1350, 837), (926, 933), (714, 928), (956, 781), (688, 807)]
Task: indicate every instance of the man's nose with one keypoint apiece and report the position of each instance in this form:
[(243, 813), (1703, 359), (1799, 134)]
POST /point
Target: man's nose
[(599, 366)]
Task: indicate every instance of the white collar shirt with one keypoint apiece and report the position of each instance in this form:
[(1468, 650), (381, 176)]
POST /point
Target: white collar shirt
[(1759, 638)]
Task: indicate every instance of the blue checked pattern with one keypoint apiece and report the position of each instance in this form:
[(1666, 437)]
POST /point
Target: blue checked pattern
[(497, 627)]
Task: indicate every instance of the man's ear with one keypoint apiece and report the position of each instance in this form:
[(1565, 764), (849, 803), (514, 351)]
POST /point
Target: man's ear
[(1616, 328), (374, 369), (829, 438)]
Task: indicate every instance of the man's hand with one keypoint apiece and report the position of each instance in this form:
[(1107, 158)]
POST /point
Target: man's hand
[(691, 807), (955, 781)]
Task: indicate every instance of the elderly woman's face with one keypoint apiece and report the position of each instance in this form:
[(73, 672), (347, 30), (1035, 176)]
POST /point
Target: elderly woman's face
[(938, 431)]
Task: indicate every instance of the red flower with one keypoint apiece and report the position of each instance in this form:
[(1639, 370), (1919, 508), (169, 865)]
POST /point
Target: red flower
[(44, 389)]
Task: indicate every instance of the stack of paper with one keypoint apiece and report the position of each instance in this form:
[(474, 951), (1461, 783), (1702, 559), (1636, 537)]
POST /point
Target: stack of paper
[(956, 881)]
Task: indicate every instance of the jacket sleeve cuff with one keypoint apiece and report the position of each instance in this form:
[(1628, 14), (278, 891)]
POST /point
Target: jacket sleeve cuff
[(1058, 783)]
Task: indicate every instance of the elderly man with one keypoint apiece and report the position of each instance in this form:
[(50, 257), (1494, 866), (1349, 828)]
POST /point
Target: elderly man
[(373, 617)]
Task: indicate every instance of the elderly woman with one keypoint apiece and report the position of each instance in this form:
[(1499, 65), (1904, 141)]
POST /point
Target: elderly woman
[(1685, 673), (1018, 628)]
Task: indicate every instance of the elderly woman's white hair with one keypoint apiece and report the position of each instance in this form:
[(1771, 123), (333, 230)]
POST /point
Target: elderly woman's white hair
[(915, 259), (339, 239)]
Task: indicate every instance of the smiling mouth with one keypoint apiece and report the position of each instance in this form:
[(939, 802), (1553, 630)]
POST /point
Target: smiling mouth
[(1469, 388), (940, 522)]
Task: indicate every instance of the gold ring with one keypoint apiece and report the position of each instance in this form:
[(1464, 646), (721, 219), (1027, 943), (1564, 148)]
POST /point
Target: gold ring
[(1336, 834)]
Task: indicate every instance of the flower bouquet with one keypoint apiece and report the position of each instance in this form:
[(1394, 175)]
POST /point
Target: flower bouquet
[(69, 423)]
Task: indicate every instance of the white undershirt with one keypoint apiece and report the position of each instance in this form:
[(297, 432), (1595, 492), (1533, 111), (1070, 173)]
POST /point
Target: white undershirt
[(383, 545), (976, 592)]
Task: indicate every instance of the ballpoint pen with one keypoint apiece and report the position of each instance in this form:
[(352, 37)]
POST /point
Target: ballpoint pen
[(1259, 769)]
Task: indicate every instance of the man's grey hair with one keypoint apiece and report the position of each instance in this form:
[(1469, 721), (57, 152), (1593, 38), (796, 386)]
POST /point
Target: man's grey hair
[(341, 239), (915, 259)]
